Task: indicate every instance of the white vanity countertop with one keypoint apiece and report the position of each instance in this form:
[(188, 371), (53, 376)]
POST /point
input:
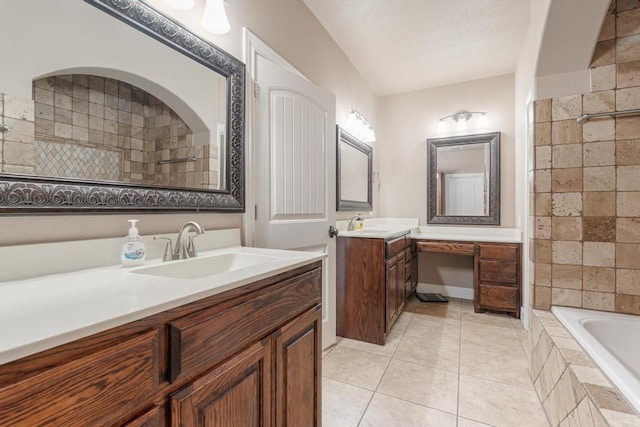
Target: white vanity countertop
[(377, 232), (469, 234), (41, 313)]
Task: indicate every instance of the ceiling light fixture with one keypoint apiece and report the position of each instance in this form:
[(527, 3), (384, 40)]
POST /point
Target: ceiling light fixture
[(359, 127), (462, 120), (214, 18)]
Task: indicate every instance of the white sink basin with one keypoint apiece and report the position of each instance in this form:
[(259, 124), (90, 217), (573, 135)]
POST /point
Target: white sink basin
[(197, 268)]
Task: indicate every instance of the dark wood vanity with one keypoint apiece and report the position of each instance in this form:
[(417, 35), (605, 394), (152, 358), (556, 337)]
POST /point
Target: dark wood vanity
[(497, 272), (248, 356), (376, 276)]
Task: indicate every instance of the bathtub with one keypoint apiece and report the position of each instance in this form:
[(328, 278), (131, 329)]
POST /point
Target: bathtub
[(613, 342)]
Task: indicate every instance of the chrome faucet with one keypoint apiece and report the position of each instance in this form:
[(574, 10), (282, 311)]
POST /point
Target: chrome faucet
[(351, 225), (184, 247)]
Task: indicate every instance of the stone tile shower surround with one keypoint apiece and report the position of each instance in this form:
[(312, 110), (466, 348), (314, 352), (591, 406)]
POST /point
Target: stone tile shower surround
[(93, 127), (585, 203)]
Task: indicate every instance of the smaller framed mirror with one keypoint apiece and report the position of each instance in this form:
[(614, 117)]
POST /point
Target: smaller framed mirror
[(354, 171), (464, 180)]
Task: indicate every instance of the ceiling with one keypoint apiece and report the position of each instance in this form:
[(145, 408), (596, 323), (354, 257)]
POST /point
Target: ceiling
[(405, 45)]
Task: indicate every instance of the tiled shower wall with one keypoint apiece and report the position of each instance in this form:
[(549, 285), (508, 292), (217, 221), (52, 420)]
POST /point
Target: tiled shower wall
[(586, 181), (99, 128)]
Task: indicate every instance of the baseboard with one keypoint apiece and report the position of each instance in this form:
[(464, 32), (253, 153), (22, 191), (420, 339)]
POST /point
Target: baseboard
[(450, 291)]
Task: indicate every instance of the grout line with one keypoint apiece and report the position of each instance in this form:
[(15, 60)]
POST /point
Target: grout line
[(459, 370)]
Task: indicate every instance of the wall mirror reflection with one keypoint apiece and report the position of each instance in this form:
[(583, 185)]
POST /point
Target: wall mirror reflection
[(464, 180), (114, 132), (354, 173)]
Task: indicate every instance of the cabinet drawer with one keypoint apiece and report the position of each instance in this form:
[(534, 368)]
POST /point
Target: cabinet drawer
[(407, 264), (498, 297), (448, 247), (393, 247), (499, 251), (98, 389), (209, 336), (498, 271)]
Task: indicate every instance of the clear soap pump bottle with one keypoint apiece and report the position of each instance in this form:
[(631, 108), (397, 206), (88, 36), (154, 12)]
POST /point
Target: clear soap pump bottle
[(133, 250)]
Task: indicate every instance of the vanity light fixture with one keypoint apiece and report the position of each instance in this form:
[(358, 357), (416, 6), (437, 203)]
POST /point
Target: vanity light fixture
[(462, 119), (214, 18), (180, 4), (359, 127)]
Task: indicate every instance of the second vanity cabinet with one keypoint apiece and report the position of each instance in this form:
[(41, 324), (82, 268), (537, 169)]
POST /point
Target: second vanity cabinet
[(373, 282), (248, 356)]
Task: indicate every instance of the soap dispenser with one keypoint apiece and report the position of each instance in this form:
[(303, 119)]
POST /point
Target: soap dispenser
[(133, 249), (359, 225)]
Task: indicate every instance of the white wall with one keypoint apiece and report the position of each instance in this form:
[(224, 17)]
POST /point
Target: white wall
[(411, 118), (286, 25)]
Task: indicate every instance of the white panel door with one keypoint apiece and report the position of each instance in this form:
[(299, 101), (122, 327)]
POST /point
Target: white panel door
[(464, 194), (295, 162)]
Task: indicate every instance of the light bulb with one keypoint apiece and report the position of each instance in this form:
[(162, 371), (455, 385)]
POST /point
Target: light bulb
[(483, 121), (371, 137), (214, 18), (351, 120), (462, 125), (180, 4), (442, 126)]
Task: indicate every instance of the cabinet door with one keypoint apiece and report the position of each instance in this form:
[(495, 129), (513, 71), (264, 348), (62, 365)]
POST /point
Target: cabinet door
[(237, 393), (414, 271), (297, 374), (400, 283), (152, 418), (391, 292)]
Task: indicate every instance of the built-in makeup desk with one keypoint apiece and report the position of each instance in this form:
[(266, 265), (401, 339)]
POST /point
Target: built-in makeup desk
[(497, 266)]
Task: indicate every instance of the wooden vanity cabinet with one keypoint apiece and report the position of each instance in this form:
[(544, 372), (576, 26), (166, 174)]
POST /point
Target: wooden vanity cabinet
[(371, 286), (497, 278), (248, 356)]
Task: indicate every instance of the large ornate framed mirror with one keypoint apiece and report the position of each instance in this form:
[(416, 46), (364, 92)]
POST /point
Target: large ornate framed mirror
[(354, 173), (464, 180), (149, 118)]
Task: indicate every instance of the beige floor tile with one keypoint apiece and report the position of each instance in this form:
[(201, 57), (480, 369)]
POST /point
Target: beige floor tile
[(425, 326), (464, 422), (354, 367), (392, 339), (432, 387), (432, 349), (499, 404), (496, 338), (328, 350), (386, 350), (343, 404), (439, 311), (386, 411), (494, 365), (493, 319), (517, 323)]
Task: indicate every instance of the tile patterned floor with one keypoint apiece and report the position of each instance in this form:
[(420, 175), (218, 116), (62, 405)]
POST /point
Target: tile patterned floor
[(443, 365)]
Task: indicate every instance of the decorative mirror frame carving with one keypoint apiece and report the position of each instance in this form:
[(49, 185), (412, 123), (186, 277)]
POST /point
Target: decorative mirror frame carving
[(353, 205), (35, 194), (493, 217)]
